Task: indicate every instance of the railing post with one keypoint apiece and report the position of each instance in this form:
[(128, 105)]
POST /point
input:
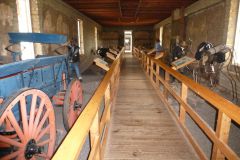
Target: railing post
[(184, 92), (157, 73), (148, 60), (151, 70), (107, 99), (117, 78), (145, 63), (222, 132), (139, 56), (94, 138), (112, 88), (167, 79)]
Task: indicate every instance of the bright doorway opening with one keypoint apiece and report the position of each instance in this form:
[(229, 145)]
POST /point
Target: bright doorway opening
[(128, 41)]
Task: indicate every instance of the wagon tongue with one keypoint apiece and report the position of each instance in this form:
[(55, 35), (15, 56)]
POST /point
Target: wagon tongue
[(32, 149)]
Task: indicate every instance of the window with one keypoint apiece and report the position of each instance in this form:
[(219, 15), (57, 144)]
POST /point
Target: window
[(161, 34), (80, 35), (96, 37), (25, 25)]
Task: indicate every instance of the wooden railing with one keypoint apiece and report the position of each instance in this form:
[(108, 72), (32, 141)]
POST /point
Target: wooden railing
[(226, 111), (91, 122)]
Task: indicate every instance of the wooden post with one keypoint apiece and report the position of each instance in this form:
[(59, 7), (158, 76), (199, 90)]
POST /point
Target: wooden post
[(104, 124), (147, 64), (111, 87), (151, 70), (222, 132), (182, 114), (107, 97), (167, 79), (157, 73), (95, 140), (139, 56), (143, 61), (64, 83)]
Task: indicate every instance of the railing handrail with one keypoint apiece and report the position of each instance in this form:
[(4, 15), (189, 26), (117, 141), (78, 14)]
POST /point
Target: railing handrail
[(74, 140), (232, 110)]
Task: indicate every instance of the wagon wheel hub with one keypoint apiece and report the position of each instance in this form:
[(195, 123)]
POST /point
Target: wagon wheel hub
[(72, 103), (77, 105), (32, 149), (28, 112)]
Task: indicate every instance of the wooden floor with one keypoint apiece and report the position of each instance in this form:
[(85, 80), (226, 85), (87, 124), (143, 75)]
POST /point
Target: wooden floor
[(141, 127)]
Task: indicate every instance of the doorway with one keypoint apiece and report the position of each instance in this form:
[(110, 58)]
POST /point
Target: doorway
[(128, 41)]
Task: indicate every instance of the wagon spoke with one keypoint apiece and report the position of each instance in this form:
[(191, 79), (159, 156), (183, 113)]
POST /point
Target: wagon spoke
[(21, 156), (43, 120), (11, 155), (32, 114), (16, 126), (10, 141), (44, 142), (40, 109), (2, 119), (43, 155), (23, 111), (73, 95), (42, 133)]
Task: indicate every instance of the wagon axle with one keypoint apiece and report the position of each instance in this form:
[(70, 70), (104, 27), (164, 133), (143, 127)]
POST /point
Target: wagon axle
[(32, 149)]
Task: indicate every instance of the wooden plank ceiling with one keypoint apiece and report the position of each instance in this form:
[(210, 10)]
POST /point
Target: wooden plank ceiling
[(128, 12)]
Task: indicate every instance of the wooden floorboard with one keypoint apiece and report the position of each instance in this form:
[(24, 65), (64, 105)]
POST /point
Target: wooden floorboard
[(141, 127)]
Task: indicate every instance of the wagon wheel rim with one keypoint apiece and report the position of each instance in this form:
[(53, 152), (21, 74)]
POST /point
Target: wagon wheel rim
[(35, 128), (72, 103)]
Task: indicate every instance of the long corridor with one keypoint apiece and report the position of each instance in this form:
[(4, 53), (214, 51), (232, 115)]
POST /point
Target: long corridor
[(141, 127)]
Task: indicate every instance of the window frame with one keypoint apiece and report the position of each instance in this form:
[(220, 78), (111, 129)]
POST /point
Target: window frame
[(80, 36), (236, 55), (96, 37), (25, 25)]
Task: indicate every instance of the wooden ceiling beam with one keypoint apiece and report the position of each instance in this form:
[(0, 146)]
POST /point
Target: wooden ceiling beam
[(128, 12), (102, 5), (137, 10), (92, 1), (104, 15), (98, 10), (107, 23), (120, 7)]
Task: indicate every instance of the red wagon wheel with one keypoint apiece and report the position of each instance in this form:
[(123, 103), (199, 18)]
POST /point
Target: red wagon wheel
[(72, 103), (30, 115)]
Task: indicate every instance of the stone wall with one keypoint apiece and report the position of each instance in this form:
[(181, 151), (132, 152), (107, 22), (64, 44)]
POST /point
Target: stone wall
[(8, 23), (204, 21), (143, 38), (110, 39), (114, 36), (206, 25), (167, 32), (57, 17)]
